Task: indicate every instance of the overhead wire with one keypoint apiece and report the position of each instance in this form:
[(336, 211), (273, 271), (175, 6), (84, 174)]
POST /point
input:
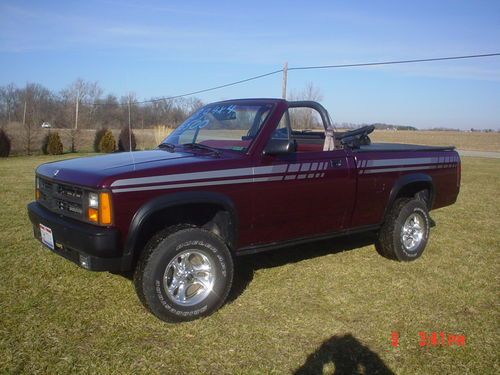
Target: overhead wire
[(394, 62), (313, 67)]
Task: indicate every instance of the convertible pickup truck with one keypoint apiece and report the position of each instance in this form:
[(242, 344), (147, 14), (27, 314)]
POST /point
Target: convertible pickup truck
[(237, 177)]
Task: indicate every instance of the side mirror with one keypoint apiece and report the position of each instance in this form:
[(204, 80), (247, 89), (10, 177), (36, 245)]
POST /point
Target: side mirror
[(280, 147)]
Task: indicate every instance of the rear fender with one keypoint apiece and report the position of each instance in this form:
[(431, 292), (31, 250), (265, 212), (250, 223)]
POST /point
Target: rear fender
[(407, 181)]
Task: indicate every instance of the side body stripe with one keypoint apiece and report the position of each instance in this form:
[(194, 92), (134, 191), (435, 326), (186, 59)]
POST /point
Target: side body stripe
[(280, 172)]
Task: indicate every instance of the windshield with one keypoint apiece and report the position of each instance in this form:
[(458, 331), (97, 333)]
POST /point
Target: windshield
[(227, 126)]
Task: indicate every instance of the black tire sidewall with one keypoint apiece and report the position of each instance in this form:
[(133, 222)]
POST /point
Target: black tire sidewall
[(157, 298), (412, 207)]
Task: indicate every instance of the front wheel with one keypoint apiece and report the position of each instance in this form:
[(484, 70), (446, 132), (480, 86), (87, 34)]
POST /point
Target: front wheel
[(184, 273), (405, 231)]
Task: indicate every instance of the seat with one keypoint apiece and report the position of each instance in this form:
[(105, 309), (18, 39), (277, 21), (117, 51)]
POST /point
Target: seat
[(329, 144)]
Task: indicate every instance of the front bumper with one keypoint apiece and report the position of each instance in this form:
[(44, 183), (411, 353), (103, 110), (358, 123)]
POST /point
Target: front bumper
[(91, 247)]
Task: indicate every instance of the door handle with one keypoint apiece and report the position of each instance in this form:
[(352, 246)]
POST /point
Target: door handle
[(336, 163)]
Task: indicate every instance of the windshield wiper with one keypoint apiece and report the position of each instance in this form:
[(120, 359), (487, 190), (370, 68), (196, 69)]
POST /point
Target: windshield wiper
[(200, 146), (167, 146)]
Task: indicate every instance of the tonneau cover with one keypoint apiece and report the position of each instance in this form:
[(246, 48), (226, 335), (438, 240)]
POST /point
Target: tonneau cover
[(401, 147)]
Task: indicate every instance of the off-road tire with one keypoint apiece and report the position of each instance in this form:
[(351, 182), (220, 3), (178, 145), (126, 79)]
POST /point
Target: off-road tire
[(161, 251), (390, 242)]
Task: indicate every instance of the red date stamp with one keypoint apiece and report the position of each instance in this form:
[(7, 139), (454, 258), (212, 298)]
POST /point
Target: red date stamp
[(429, 339)]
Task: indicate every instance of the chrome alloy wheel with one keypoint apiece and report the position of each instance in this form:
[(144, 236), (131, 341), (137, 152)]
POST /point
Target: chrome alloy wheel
[(189, 277), (412, 232)]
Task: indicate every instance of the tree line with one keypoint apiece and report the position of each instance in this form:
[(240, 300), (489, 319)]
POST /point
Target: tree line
[(83, 105)]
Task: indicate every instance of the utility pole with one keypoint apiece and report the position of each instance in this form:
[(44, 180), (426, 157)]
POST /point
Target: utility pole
[(76, 109), (129, 126), (28, 129), (73, 133), (285, 76), (24, 113)]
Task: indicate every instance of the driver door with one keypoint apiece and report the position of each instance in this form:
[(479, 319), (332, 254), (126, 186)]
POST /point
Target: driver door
[(314, 193)]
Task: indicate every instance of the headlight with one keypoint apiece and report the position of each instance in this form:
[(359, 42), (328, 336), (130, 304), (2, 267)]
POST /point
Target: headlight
[(99, 208), (93, 200), (37, 188)]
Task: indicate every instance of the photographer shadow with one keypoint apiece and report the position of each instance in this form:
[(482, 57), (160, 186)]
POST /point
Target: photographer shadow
[(347, 355)]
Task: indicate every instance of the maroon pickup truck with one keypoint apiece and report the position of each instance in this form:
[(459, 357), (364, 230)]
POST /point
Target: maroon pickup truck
[(237, 177)]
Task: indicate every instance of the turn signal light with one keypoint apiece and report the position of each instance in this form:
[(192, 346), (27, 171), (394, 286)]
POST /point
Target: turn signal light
[(37, 194), (105, 208), (93, 215)]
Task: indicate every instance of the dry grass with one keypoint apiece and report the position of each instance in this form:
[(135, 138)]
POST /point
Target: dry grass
[(161, 132), (327, 305), (471, 141), (150, 138)]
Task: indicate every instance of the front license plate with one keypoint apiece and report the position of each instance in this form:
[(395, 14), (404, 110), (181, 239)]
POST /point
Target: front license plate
[(47, 237)]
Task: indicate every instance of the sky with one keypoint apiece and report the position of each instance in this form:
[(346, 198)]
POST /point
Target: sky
[(163, 48)]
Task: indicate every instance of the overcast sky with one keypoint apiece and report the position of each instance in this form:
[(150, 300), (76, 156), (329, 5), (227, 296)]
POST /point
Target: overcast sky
[(159, 48)]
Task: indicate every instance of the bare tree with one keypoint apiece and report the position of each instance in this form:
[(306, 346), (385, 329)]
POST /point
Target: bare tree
[(157, 112), (129, 110), (108, 112), (73, 96), (9, 98), (77, 96), (82, 105), (305, 118), (80, 98), (37, 103), (190, 105), (94, 94), (169, 112)]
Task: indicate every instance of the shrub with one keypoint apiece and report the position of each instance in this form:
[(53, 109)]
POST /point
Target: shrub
[(107, 143), (97, 138), (45, 143), (54, 144), (4, 144), (124, 142)]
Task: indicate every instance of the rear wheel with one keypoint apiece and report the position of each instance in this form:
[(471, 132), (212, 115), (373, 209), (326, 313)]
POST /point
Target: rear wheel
[(405, 232), (184, 273)]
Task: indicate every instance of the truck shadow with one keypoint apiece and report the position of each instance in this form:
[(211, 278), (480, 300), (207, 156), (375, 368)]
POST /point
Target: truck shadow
[(347, 355), (245, 266)]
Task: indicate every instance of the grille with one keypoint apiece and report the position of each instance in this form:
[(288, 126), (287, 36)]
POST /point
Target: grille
[(69, 191), (70, 207), (61, 198)]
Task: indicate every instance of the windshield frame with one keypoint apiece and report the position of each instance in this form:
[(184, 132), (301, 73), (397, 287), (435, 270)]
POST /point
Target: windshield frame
[(262, 108)]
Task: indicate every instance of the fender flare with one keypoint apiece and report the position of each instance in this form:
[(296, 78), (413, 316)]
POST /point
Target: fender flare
[(178, 199), (409, 179)]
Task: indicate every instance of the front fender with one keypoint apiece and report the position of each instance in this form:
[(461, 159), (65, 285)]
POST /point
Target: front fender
[(178, 199)]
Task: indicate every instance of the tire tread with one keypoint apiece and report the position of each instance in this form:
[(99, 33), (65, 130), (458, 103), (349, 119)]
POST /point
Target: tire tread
[(150, 250), (386, 243)]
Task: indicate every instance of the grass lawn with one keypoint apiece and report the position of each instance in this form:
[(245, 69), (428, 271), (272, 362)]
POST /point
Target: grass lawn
[(319, 307)]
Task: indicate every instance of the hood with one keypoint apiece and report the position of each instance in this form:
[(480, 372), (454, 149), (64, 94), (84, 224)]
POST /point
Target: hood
[(91, 171)]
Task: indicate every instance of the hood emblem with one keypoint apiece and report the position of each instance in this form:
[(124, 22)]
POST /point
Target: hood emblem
[(56, 172)]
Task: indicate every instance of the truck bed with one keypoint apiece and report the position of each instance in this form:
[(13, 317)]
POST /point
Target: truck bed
[(397, 147)]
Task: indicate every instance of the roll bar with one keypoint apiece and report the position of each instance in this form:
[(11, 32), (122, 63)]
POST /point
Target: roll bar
[(314, 105)]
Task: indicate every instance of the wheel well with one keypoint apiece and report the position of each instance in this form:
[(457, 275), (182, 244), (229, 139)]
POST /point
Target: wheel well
[(210, 216), (421, 190)]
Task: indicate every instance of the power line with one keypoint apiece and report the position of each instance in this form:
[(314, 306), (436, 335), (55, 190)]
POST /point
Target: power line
[(394, 62), (211, 88)]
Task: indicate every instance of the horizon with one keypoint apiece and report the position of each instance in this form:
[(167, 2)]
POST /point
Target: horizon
[(157, 50)]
